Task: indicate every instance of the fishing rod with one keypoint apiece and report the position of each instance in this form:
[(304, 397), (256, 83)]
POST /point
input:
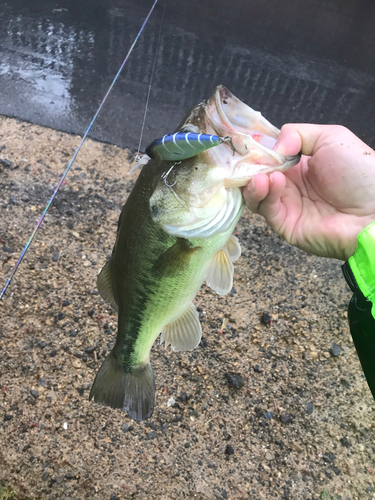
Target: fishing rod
[(14, 270)]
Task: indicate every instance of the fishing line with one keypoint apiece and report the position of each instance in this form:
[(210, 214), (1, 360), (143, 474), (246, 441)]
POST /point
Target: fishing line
[(76, 153), (137, 157)]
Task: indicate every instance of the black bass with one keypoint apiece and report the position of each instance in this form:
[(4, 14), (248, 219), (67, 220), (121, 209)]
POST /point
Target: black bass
[(174, 233)]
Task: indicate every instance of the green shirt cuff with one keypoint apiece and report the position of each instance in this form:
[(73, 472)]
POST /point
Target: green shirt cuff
[(362, 264)]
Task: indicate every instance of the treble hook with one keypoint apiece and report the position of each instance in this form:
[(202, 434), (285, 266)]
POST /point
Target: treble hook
[(165, 175), (228, 138)]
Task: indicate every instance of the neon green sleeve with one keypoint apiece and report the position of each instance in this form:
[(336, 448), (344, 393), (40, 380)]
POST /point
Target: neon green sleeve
[(362, 264)]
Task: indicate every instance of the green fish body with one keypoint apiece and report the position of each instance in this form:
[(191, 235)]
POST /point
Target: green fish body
[(174, 233)]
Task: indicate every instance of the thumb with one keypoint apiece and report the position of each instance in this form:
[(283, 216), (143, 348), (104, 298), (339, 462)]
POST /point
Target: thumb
[(300, 138)]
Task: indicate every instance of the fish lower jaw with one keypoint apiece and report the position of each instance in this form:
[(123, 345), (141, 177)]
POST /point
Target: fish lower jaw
[(243, 175), (244, 171)]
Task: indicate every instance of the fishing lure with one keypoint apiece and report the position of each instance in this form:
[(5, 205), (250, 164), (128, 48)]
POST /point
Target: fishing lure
[(183, 145)]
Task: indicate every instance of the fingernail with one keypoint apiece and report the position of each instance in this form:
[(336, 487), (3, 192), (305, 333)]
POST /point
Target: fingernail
[(271, 180), (276, 145), (279, 146)]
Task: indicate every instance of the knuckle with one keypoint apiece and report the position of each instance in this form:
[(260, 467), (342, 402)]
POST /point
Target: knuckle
[(287, 128), (341, 130)]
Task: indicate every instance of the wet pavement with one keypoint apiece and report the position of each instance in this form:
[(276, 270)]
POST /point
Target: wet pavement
[(295, 60)]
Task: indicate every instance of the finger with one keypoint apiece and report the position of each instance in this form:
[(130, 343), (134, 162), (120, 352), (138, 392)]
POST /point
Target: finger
[(271, 207), (255, 191), (300, 137)]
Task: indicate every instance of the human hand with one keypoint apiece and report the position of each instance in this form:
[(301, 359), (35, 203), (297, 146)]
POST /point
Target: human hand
[(323, 203)]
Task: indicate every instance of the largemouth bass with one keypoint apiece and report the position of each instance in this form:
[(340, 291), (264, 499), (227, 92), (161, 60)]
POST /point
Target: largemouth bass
[(174, 233)]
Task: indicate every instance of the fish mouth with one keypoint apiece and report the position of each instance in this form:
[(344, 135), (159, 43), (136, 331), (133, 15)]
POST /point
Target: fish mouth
[(226, 115), (238, 118)]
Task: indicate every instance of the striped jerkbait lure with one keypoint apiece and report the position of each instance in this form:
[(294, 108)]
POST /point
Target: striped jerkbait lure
[(182, 145)]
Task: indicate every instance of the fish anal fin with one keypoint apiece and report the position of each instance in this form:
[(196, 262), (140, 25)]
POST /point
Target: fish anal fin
[(131, 391), (172, 261), (185, 333), (104, 284), (220, 273)]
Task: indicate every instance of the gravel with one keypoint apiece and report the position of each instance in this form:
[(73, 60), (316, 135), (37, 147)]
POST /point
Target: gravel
[(235, 380), (320, 403)]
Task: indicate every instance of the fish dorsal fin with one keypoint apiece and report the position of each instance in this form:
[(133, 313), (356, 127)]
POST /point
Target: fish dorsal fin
[(104, 284), (233, 248), (185, 333), (220, 273)]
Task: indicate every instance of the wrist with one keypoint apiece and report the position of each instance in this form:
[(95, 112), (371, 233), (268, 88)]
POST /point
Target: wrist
[(362, 264)]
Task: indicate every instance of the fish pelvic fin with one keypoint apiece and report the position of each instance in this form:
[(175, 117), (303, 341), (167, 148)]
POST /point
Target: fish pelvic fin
[(131, 391), (185, 333), (104, 284), (220, 271)]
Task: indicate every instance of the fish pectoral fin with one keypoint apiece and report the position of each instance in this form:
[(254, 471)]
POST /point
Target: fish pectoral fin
[(173, 260), (233, 248), (104, 284), (185, 333), (220, 273), (131, 390)]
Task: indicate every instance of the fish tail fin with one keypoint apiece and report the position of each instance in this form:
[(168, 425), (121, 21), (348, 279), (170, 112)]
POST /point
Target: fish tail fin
[(132, 391)]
